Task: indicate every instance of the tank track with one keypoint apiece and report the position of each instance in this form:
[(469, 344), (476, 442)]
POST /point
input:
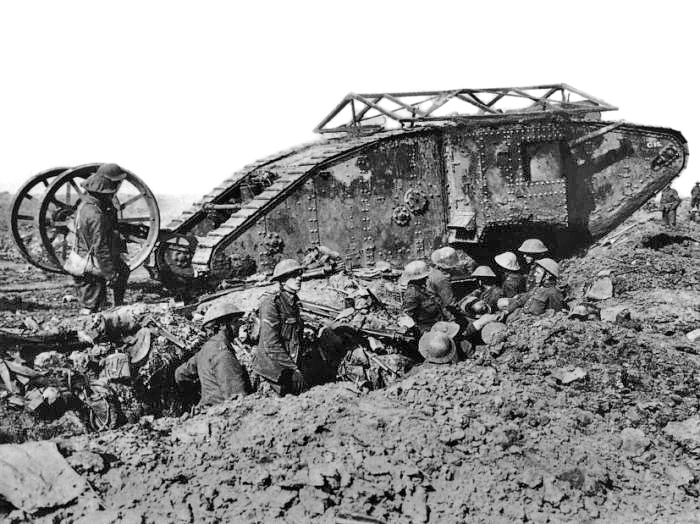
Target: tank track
[(290, 169)]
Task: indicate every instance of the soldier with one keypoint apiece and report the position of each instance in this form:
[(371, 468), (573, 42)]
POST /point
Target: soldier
[(545, 295), (669, 203), (278, 355), (488, 291), (97, 234), (532, 249), (420, 303), (438, 283), (513, 282), (215, 366), (438, 346), (695, 196)]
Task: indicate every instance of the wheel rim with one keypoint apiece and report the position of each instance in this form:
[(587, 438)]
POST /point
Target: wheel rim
[(137, 210), (23, 220)]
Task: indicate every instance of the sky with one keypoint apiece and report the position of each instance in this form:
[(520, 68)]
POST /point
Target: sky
[(185, 93)]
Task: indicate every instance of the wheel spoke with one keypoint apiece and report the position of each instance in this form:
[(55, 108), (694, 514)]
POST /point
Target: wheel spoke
[(131, 201), (25, 217), (133, 220)]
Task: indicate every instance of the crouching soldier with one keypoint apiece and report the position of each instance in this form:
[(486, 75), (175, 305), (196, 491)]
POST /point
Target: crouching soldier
[(513, 282), (419, 302), (215, 366), (545, 295), (531, 250), (278, 355)]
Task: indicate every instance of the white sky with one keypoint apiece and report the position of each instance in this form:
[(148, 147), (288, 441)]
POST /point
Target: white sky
[(185, 93)]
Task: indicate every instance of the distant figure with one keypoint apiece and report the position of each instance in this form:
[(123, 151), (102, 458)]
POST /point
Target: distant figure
[(278, 356), (532, 249), (513, 282), (695, 196), (669, 203), (97, 233), (215, 366)]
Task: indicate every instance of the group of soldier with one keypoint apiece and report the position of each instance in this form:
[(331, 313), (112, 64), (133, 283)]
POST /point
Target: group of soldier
[(448, 325)]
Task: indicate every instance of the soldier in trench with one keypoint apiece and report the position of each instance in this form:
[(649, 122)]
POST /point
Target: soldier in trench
[(277, 359), (215, 366), (531, 250)]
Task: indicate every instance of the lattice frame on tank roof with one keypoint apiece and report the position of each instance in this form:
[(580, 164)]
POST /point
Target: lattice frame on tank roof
[(379, 110)]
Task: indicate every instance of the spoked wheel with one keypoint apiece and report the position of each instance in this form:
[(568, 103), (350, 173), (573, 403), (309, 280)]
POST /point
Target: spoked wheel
[(24, 224), (137, 211)]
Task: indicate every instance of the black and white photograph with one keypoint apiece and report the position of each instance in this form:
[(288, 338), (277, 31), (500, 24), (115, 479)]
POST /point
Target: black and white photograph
[(366, 262)]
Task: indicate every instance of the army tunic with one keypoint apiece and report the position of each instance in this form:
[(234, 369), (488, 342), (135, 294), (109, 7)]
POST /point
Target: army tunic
[(218, 370), (96, 230), (539, 300), (281, 331), (438, 283), (423, 306)]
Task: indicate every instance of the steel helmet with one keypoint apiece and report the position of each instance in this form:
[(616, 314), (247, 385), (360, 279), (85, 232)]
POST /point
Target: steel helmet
[(414, 271), (508, 261), (533, 246), (484, 272), (445, 258), (219, 310), (112, 172), (97, 183), (285, 268), (437, 347), (449, 328), (549, 265)]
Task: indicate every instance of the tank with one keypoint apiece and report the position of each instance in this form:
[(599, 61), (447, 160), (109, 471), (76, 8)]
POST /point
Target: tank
[(397, 175)]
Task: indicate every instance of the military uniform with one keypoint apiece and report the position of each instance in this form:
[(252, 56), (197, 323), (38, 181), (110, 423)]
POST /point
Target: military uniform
[(669, 204), (96, 229), (438, 283), (539, 300), (278, 354), (695, 196), (218, 370), (423, 306), (513, 284)]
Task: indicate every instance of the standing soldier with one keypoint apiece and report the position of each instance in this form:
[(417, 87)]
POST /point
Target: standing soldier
[(669, 203), (532, 249), (513, 282), (695, 196), (215, 366), (420, 303), (97, 234), (278, 355)]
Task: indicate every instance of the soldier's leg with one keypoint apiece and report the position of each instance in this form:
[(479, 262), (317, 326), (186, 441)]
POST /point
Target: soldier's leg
[(92, 292), (119, 284), (672, 217), (664, 217)]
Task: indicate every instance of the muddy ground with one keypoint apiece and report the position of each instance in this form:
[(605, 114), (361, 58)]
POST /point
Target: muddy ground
[(565, 420)]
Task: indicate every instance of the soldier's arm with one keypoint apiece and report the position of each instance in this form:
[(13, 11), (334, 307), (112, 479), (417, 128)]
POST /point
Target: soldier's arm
[(187, 373), (410, 302), (556, 301)]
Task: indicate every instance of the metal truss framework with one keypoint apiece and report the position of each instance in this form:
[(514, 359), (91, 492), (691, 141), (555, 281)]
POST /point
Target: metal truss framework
[(381, 110)]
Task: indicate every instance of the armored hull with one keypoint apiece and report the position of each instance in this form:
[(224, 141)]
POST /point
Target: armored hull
[(397, 195)]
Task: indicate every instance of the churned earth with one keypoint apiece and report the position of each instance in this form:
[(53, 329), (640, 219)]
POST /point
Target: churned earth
[(562, 420)]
